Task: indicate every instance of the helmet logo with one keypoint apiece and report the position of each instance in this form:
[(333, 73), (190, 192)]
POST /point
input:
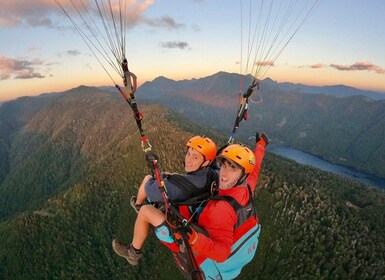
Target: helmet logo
[(252, 160)]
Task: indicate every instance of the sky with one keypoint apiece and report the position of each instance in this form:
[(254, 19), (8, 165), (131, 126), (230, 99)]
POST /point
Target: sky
[(342, 42)]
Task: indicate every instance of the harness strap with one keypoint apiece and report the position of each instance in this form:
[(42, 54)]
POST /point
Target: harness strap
[(242, 212)]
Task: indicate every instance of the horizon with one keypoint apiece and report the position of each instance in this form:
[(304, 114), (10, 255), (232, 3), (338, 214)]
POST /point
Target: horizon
[(112, 86)]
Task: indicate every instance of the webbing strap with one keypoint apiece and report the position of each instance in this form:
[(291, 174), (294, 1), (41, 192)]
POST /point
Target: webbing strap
[(243, 212)]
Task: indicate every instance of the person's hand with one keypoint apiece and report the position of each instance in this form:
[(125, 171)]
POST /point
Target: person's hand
[(192, 234), (261, 139), (168, 174), (152, 160)]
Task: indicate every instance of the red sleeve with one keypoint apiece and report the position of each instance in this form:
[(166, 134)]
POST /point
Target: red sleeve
[(218, 218), (259, 153)]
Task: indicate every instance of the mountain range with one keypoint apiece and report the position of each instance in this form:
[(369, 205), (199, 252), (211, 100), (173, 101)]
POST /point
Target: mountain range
[(335, 90), (346, 130), (233, 80)]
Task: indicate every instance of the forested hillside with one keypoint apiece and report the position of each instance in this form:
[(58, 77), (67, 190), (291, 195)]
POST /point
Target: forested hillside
[(348, 130), (75, 161)]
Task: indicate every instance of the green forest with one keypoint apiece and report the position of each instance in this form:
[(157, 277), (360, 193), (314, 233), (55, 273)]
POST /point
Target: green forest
[(71, 161)]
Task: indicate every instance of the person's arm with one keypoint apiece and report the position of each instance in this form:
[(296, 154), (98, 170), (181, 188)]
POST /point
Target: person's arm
[(218, 219), (259, 152)]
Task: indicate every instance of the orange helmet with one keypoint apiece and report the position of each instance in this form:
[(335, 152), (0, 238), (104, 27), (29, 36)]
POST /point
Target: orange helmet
[(204, 145), (241, 155)]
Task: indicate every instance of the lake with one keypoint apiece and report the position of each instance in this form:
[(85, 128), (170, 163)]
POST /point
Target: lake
[(308, 159)]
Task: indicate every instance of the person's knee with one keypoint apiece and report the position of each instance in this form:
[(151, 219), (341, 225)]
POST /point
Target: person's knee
[(151, 214), (146, 178), (145, 210)]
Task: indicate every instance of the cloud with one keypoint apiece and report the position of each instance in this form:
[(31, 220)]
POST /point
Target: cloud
[(36, 22), (360, 66), (165, 22), (135, 10), (314, 66), (42, 12), (19, 69), (33, 48), (174, 45), (317, 66), (73, 52), (264, 63), (195, 28), (33, 13)]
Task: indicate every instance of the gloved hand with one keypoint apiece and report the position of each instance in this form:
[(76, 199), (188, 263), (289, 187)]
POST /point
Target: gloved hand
[(263, 140), (151, 160), (192, 234)]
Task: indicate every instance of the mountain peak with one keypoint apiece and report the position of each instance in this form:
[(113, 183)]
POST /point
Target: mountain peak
[(161, 79)]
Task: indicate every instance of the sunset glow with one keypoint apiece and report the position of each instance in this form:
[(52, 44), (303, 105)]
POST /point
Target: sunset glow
[(188, 39)]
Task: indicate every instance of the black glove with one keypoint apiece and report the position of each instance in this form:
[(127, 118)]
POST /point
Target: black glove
[(152, 160), (192, 234), (263, 140)]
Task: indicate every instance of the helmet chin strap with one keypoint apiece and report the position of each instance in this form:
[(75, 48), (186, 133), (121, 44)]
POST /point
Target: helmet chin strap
[(204, 160), (241, 179)]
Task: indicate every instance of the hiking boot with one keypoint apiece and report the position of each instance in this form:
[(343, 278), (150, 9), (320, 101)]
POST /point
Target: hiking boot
[(126, 251), (134, 205)]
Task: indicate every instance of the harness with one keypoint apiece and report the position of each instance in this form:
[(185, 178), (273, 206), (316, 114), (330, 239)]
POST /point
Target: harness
[(246, 235), (242, 212)]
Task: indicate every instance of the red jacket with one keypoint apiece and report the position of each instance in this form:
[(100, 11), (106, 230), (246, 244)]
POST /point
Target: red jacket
[(218, 217)]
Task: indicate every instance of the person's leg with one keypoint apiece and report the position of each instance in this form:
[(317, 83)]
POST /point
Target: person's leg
[(141, 196), (137, 201), (147, 216)]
